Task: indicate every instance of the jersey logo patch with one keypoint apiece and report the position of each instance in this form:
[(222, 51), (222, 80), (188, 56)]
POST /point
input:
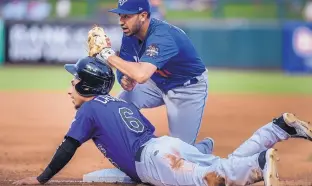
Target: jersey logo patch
[(122, 2), (152, 50)]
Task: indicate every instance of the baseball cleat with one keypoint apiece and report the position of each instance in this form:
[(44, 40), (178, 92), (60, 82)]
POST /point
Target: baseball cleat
[(270, 174), (303, 129)]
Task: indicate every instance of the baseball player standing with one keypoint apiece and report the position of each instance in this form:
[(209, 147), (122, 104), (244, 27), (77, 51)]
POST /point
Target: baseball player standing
[(127, 139), (165, 70)]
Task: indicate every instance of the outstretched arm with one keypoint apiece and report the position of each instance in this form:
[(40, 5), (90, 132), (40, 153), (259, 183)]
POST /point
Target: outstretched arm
[(140, 71), (99, 43), (61, 157)]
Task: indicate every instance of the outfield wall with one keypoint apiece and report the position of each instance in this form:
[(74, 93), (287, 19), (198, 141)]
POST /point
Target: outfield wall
[(230, 44), (238, 44), (297, 47), (245, 44), (51, 42), (2, 42)]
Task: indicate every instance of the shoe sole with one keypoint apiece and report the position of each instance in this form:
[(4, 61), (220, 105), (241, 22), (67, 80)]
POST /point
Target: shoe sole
[(271, 177), (292, 120)]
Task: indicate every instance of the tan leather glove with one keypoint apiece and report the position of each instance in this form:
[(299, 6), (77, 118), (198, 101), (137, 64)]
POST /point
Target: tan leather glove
[(97, 40)]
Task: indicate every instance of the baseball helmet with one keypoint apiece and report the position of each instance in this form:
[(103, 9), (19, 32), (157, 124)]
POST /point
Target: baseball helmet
[(96, 77)]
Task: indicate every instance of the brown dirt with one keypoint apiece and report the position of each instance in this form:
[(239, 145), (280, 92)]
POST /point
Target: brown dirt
[(32, 125)]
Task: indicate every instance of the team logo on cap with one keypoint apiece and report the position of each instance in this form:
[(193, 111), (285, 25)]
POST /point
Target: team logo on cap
[(152, 50), (122, 2)]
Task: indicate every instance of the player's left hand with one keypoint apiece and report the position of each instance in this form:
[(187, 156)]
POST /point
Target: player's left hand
[(27, 181), (127, 83), (97, 41)]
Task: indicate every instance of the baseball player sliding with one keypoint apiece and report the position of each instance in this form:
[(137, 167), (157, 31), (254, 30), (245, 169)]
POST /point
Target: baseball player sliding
[(127, 139), (158, 65)]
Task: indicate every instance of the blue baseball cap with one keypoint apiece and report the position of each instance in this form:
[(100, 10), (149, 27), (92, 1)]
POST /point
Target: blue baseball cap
[(132, 7)]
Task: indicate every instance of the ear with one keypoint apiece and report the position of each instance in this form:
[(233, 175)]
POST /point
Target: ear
[(143, 16)]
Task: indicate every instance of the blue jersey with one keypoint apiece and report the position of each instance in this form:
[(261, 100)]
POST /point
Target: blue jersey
[(116, 127), (169, 49)]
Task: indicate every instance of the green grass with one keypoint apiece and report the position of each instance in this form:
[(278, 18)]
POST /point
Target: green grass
[(262, 82), (81, 8), (220, 81), (226, 9), (55, 78), (187, 15), (229, 10), (250, 11), (34, 78)]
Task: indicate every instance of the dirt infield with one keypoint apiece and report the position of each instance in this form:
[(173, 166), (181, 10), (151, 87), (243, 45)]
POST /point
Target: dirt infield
[(32, 125)]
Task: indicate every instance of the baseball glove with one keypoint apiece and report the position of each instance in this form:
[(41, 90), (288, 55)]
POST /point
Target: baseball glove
[(97, 40)]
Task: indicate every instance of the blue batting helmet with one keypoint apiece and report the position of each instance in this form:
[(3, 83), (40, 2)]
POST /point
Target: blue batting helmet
[(96, 77)]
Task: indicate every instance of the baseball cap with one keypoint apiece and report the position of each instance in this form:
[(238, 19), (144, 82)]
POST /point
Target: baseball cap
[(131, 7)]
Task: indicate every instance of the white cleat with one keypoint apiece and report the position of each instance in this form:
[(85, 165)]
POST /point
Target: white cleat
[(303, 128), (270, 174)]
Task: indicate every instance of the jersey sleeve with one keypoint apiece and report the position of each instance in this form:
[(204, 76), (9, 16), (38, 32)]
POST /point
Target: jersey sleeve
[(159, 50), (82, 126)]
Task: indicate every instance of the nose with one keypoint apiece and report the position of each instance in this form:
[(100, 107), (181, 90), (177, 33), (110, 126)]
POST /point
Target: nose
[(121, 22), (69, 91)]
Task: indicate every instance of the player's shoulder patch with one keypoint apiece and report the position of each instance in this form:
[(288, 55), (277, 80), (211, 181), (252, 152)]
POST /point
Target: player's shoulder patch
[(152, 50)]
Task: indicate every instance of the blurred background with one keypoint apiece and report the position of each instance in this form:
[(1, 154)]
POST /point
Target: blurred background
[(248, 45)]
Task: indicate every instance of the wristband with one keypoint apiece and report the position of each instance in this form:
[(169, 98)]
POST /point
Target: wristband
[(106, 53)]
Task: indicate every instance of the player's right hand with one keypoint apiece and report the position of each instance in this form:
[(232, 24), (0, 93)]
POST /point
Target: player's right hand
[(127, 83), (27, 181)]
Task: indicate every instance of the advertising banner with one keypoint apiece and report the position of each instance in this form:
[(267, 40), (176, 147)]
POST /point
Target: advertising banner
[(297, 47), (51, 42)]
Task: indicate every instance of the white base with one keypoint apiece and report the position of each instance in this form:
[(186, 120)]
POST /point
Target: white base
[(107, 176)]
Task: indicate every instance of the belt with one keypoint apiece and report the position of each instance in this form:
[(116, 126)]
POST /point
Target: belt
[(194, 80), (138, 154)]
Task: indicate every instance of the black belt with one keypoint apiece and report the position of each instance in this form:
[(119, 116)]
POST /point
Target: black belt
[(192, 81), (137, 157)]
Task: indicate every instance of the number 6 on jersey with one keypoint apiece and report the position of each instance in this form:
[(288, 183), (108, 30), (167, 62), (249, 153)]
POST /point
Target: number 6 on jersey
[(132, 123)]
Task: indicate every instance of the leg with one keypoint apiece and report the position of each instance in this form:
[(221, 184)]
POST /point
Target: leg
[(256, 158), (263, 139), (279, 129), (170, 161), (248, 170), (146, 95), (185, 106)]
